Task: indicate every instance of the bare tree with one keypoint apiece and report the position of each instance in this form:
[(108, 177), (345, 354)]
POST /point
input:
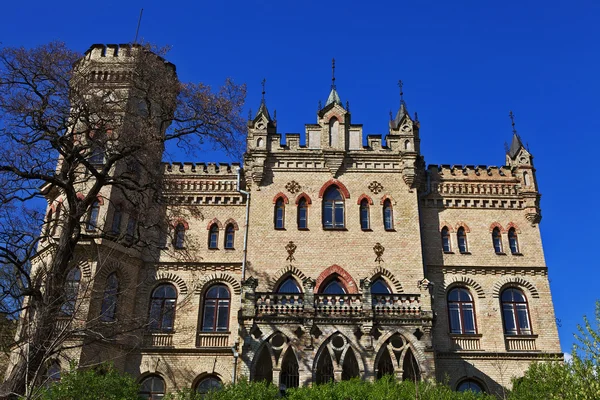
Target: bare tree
[(76, 130)]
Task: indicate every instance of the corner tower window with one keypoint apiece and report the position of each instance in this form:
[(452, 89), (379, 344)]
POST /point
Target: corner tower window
[(462, 240), (162, 308), (179, 239), (213, 237), (461, 312), (302, 214), (446, 240), (229, 236), (333, 209), (93, 216), (364, 215), (109, 301), (513, 241), (216, 309), (515, 312), (497, 240), (279, 214), (388, 216)]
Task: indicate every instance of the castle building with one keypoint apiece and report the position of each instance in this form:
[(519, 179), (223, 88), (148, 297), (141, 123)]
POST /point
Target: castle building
[(327, 260)]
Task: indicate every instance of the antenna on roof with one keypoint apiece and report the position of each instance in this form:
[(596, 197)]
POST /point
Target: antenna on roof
[(138, 26), (512, 120), (400, 84), (264, 81), (333, 73)]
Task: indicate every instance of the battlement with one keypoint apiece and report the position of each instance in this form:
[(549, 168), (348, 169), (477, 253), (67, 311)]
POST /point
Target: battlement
[(111, 54), (190, 168), (471, 171), (108, 51)]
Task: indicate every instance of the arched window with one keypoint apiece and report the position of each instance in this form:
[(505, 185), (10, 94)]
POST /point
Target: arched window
[(96, 155), (132, 228), (380, 287), (388, 215), (410, 368), (162, 308), (229, 236), (302, 214), (333, 209), (152, 388), (497, 240), (446, 240), (259, 142), (515, 312), (279, 217), (334, 127), (71, 291), (334, 286), (52, 373), (526, 179), (109, 301), (324, 372), (290, 375), (216, 309), (116, 222), (93, 216), (179, 238), (364, 215), (213, 237), (469, 384), (289, 285), (513, 242), (461, 235), (385, 366), (263, 369), (461, 312), (407, 145), (350, 366), (209, 384)]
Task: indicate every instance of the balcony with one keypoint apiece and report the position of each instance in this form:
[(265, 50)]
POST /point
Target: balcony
[(336, 304), (279, 303), (397, 304), (520, 343), (212, 339)]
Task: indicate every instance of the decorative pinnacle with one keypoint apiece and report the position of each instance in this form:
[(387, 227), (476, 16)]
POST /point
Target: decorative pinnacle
[(512, 120), (264, 81), (400, 85), (333, 73)]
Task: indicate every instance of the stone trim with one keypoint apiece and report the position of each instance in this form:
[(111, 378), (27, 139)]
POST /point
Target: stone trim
[(380, 271), (515, 281), (212, 222), (461, 280), (497, 225), (218, 278), (232, 222), (338, 184), (387, 197), (461, 224), (305, 196), (166, 277), (362, 197), (178, 221), (447, 225), (110, 267), (344, 276), (289, 270), (512, 225), (282, 196)]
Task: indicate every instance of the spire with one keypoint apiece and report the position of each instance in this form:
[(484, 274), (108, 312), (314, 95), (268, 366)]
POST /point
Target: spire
[(516, 143), (334, 97), (402, 111), (263, 105)]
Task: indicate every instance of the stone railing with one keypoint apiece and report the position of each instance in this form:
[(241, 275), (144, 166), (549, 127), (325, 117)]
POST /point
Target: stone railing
[(279, 303), (520, 343), (466, 342), (396, 304), (212, 339), (158, 339), (338, 303)]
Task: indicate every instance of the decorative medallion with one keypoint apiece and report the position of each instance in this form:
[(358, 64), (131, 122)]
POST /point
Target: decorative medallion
[(291, 248), (378, 249), (375, 187), (293, 187)]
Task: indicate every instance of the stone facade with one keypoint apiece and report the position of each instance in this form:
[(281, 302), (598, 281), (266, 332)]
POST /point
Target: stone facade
[(372, 216)]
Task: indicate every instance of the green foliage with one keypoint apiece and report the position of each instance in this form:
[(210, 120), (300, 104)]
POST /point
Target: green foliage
[(243, 390), (103, 383)]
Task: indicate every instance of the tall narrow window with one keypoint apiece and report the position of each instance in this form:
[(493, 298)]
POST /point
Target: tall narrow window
[(93, 216), (364, 215), (279, 214), (446, 240), (335, 286), (497, 240), (162, 308), (333, 209), (334, 128), (116, 222), (290, 374), (263, 368), (152, 388), (385, 366), (96, 155), (461, 312), (350, 366), (324, 373), (215, 317), (388, 216), (410, 368), (131, 228), (513, 242), (462, 240), (302, 214), (213, 237), (229, 236), (515, 312), (109, 300), (380, 287), (179, 239), (71, 292), (289, 285)]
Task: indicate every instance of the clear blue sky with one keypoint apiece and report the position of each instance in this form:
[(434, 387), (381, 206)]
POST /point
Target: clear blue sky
[(465, 64)]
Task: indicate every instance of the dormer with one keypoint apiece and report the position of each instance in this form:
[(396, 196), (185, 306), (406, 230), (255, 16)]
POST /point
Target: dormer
[(260, 129), (403, 135)]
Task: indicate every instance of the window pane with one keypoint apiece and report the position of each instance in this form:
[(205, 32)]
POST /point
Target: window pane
[(468, 318), (289, 286), (302, 217), (523, 319), (334, 287), (328, 215), (510, 326), (168, 316), (209, 315), (154, 318), (339, 215), (364, 215), (379, 287), (223, 315), (454, 317)]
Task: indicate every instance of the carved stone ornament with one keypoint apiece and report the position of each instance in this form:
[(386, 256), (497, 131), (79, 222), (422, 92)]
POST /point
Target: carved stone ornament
[(375, 187), (250, 282), (293, 187), (291, 249), (378, 249)]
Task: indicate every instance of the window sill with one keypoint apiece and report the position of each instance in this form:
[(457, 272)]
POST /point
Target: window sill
[(465, 253), (520, 336), (500, 254), (465, 335), (178, 248), (448, 252), (335, 229), (229, 248), (303, 229), (517, 254), (367, 230), (279, 229), (213, 248), (390, 230)]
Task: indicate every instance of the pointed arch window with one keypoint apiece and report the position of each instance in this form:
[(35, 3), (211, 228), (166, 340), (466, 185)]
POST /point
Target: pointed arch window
[(116, 222), (364, 215), (229, 236), (388, 215), (302, 214), (279, 217), (461, 235), (71, 292), (334, 286), (162, 308), (461, 312), (179, 238), (324, 371), (350, 367), (333, 209), (152, 388), (93, 216), (497, 240), (380, 287), (263, 369), (289, 285), (410, 368), (108, 311), (215, 317), (132, 229), (446, 240), (515, 312), (290, 374), (213, 237), (209, 384), (469, 385), (334, 127), (513, 242), (53, 373), (385, 366)]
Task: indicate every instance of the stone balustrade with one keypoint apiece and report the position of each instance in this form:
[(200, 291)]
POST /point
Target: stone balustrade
[(396, 304), (338, 303), (279, 303)]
